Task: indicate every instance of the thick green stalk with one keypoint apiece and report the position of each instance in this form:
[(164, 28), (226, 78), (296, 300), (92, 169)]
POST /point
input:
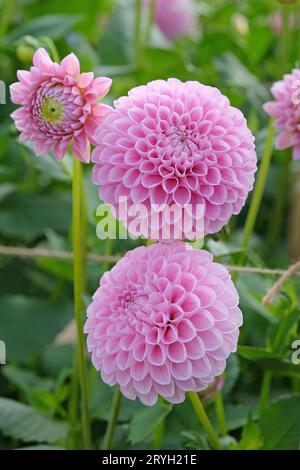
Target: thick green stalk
[(109, 434), (259, 188), (204, 420), (220, 413), (280, 202), (79, 283)]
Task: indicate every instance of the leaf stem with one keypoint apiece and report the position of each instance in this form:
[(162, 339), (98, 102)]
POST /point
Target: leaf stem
[(265, 391), (257, 194), (109, 434), (220, 413), (79, 283), (259, 187), (204, 420)]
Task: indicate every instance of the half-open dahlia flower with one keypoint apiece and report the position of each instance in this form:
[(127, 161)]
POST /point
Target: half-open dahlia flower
[(163, 322), (170, 143), (175, 18), (286, 110), (58, 105)]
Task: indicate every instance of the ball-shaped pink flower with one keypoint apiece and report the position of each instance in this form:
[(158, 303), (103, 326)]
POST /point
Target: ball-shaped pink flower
[(163, 322), (175, 18), (286, 111), (58, 105), (178, 144)]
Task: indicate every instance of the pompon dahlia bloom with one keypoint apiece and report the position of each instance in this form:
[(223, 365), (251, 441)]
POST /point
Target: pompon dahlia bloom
[(286, 111), (177, 144), (58, 105), (175, 18), (163, 322)]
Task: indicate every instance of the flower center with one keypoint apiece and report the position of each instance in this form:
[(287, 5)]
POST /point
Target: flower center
[(51, 110)]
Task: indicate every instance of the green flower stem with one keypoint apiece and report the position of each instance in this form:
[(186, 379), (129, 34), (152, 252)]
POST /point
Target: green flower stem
[(258, 191), (73, 402), (109, 434), (6, 15), (137, 33), (220, 413), (79, 283), (265, 391), (203, 418), (280, 202), (151, 16)]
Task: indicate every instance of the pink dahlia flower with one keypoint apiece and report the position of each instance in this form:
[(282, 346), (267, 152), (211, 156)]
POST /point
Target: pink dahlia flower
[(286, 110), (175, 18), (163, 322), (170, 143), (58, 105)]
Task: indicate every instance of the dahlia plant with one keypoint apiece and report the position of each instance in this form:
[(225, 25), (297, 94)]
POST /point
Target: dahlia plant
[(59, 110), (165, 318)]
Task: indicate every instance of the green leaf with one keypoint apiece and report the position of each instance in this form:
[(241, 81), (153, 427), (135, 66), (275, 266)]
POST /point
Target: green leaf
[(25, 423), (26, 379), (280, 333), (256, 354), (236, 416), (116, 47), (54, 26), (237, 75), (251, 437), (231, 374), (56, 358), (281, 367), (27, 216), (27, 325), (280, 424), (270, 361), (146, 421)]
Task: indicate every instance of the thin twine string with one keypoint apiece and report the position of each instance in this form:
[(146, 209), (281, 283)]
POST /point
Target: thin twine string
[(285, 274)]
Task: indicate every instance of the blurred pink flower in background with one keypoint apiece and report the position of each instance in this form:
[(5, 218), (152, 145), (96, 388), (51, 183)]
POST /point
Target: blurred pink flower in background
[(175, 18), (286, 111), (163, 322), (276, 21), (170, 144), (58, 105)]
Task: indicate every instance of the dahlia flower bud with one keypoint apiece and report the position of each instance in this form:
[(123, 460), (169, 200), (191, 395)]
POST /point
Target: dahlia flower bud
[(175, 18), (173, 144), (58, 105), (285, 110), (163, 322), (211, 391)]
